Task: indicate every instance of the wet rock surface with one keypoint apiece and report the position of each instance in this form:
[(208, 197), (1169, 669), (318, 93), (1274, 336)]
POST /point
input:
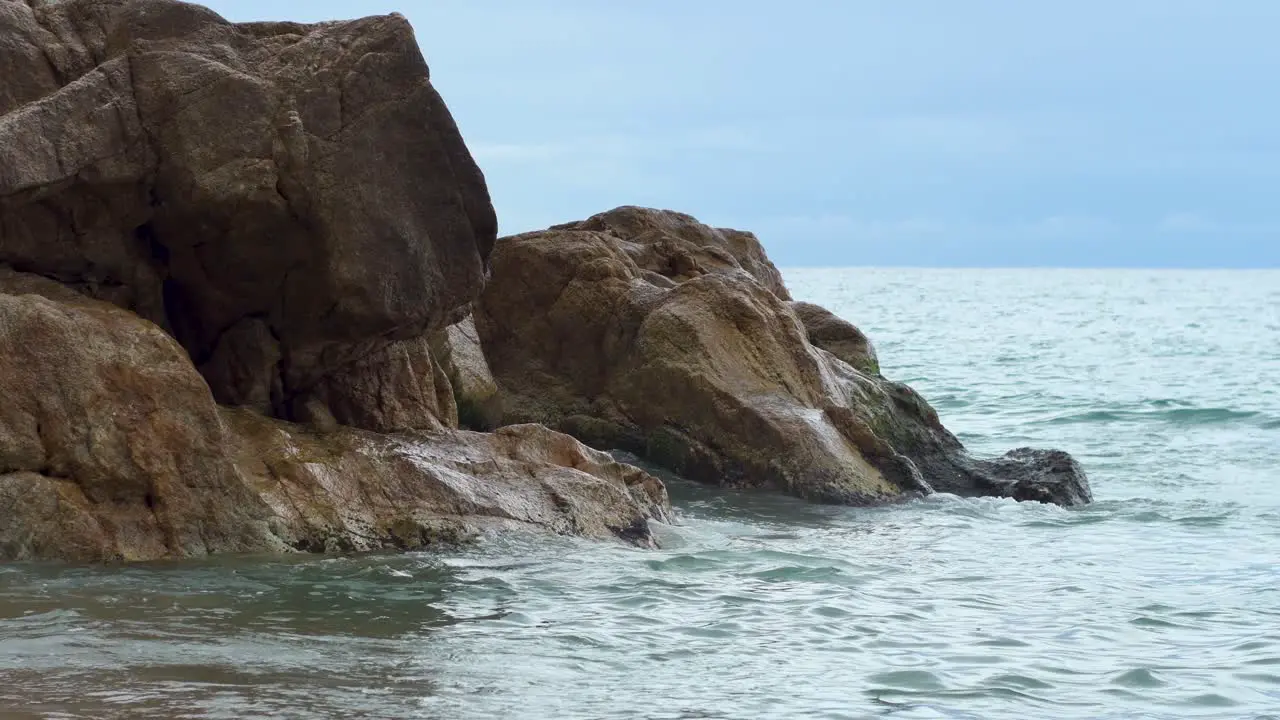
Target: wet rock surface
[(606, 329), (116, 450)]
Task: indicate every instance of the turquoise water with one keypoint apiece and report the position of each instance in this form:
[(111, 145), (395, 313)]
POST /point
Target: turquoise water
[(1161, 600)]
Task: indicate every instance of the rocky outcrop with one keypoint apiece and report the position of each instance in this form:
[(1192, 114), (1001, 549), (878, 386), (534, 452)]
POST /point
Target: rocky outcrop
[(111, 447), (621, 330), (289, 201), (208, 230), (241, 310)]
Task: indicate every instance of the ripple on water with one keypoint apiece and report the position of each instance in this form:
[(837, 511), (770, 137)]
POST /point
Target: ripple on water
[(907, 680), (1159, 600), (1022, 682), (1138, 678), (1211, 700)]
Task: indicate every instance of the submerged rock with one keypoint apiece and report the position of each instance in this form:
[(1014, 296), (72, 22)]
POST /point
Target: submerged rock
[(614, 330)]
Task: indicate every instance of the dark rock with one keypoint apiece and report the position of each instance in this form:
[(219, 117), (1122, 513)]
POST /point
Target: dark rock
[(285, 199)]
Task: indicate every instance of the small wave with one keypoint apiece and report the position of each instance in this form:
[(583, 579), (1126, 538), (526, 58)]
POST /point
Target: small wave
[(1165, 413), (1211, 700), (908, 680), (1138, 678)]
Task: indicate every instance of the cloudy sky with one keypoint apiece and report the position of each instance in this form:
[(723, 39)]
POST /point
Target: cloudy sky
[(859, 132)]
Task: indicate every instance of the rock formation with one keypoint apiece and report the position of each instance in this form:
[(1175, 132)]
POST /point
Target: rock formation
[(284, 199), (249, 294), (208, 230), (647, 331), (111, 447)]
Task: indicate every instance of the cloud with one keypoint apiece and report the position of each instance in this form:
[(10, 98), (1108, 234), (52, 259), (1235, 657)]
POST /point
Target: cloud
[(635, 147), (1068, 226), (1185, 223), (514, 152)]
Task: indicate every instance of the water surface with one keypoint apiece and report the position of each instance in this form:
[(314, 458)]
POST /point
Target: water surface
[(1161, 600)]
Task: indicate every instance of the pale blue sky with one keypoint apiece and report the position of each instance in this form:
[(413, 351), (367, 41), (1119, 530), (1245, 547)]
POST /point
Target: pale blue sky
[(848, 132)]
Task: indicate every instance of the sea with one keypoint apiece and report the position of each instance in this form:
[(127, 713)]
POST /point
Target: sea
[(1160, 600)]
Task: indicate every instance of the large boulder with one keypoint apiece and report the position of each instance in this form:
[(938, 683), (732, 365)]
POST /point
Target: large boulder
[(616, 331), (112, 448), (289, 201)]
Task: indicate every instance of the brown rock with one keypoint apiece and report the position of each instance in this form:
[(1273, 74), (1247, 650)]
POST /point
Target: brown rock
[(400, 388), (353, 490), (713, 374), (457, 348), (110, 442), (285, 199), (111, 448), (837, 336), (677, 246)]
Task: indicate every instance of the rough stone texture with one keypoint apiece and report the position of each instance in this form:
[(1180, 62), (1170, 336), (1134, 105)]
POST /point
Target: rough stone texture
[(112, 448), (837, 336), (676, 246), (286, 200), (400, 388), (351, 490), (110, 442), (710, 371), (457, 348)]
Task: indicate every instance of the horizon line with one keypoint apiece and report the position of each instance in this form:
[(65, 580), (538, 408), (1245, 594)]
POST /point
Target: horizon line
[(1149, 268)]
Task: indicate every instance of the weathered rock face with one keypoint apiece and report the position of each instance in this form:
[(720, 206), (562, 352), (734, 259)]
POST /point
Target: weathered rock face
[(353, 490), (607, 330), (836, 336), (287, 200), (475, 392), (111, 447), (277, 217), (677, 246), (110, 442)]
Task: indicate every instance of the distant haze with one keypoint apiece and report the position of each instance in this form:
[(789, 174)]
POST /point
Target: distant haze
[(919, 132)]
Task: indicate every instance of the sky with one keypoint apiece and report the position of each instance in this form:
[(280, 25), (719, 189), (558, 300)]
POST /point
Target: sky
[(928, 133)]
